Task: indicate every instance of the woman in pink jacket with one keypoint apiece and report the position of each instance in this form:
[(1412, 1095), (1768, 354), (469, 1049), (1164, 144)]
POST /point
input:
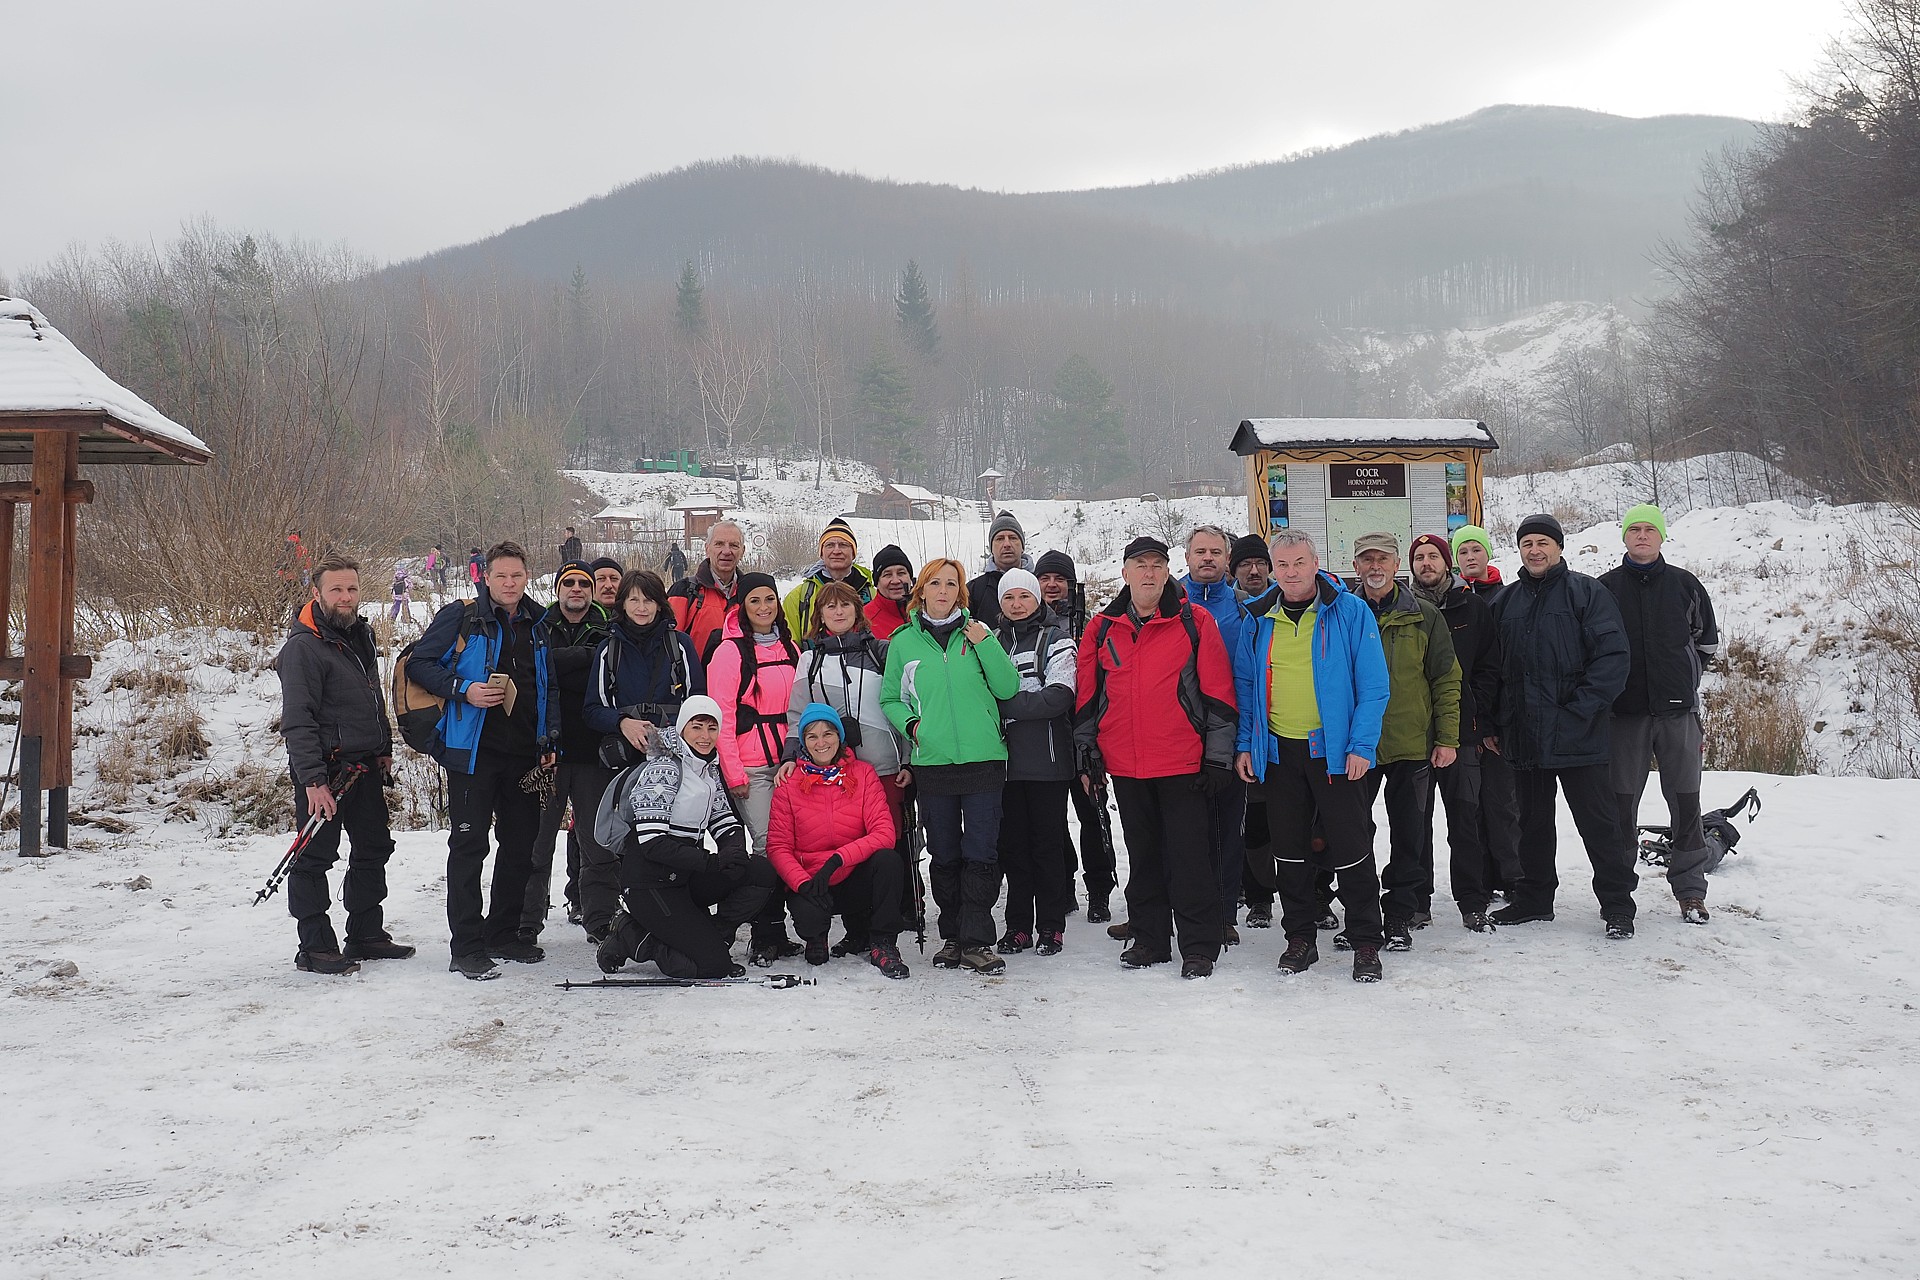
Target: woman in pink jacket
[(750, 675), (831, 839)]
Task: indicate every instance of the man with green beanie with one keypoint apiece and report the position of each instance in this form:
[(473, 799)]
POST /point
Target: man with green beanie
[(1473, 557), (1671, 633)]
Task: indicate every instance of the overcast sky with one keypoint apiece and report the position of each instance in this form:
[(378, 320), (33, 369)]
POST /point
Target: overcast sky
[(401, 126)]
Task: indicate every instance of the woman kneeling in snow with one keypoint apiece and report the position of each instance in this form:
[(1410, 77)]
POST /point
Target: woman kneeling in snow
[(830, 837), (669, 878)]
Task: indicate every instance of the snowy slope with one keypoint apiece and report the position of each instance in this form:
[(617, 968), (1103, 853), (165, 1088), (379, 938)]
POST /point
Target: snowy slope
[(1736, 1100)]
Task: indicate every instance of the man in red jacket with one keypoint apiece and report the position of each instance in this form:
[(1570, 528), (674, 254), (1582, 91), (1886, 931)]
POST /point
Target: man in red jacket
[(700, 600), (1146, 653)]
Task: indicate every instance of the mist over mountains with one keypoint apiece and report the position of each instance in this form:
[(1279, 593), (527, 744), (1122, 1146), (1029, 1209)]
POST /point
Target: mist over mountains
[(1468, 222)]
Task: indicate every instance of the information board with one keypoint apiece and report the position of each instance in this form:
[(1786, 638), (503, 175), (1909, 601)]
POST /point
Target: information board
[(1348, 518), (1367, 480)]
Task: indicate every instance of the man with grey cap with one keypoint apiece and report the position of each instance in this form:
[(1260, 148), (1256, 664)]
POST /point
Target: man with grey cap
[(1419, 733), (1006, 549), (1564, 662)]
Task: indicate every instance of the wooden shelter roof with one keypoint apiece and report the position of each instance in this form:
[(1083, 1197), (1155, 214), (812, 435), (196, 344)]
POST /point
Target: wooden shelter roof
[(46, 383), (1256, 434)]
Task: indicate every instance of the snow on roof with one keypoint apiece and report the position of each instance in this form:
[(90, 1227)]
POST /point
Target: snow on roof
[(619, 512), (41, 372), (1303, 433), (913, 493), (700, 502)]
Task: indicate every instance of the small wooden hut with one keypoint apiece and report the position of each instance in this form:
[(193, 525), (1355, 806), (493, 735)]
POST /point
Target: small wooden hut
[(58, 411), (1337, 478)]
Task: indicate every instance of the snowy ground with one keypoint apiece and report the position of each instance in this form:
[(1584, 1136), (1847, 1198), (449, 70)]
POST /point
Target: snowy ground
[(1733, 1100)]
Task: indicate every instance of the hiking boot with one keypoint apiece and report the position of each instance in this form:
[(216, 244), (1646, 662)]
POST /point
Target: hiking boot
[(479, 967), (328, 962), (948, 956), (1229, 936), (381, 948), (849, 946), (517, 951), (981, 960), (1692, 910), (1478, 921), (885, 957), (1619, 928), (1098, 912), (1420, 920), (598, 933), (1260, 915), (1341, 942), (1051, 944), (1140, 955), (816, 950), (1327, 919), (1399, 937), (573, 913), (1366, 964), (1122, 931), (1513, 913), (611, 954), (1301, 954), (1014, 943), (1196, 967)]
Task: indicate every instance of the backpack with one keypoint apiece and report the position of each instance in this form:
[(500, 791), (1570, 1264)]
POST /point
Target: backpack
[(609, 820), (416, 712)]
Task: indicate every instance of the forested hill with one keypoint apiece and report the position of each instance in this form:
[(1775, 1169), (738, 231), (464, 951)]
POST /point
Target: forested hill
[(1473, 220)]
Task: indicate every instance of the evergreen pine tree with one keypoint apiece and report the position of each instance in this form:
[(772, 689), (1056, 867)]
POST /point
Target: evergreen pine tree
[(887, 420), (914, 308), (690, 304), (1082, 442)]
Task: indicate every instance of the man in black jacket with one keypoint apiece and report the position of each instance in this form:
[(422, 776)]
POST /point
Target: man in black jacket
[(1563, 661), (1470, 622), (1671, 633), (1006, 549), (333, 714), (576, 628), (488, 658), (1061, 592)]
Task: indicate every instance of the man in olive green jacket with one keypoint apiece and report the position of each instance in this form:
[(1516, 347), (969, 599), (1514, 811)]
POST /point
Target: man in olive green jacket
[(1420, 733)]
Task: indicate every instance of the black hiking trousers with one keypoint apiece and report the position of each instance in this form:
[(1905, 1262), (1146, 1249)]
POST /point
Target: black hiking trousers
[(362, 815)]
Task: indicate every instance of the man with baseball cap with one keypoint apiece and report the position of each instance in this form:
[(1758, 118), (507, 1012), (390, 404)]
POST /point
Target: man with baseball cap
[(1564, 661), (1419, 733), (1147, 653), (1671, 635)]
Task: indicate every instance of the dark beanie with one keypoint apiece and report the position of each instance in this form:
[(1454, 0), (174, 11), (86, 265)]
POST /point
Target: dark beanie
[(889, 556), (1251, 547), (1056, 562), (607, 562), (1143, 545), (1435, 541), (1006, 523), (1542, 523), (748, 582)]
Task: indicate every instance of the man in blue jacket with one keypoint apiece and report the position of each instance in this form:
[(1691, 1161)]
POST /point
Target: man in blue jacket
[(1563, 662), (488, 658), (1209, 586), (1312, 686)]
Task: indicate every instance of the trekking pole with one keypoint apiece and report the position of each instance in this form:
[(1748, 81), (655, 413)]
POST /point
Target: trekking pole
[(315, 822), (910, 810), (778, 981)]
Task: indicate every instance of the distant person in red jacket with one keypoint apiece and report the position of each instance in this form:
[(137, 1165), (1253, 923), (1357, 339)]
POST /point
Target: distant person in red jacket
[(892, 583), (1143, 656), (830, 836)]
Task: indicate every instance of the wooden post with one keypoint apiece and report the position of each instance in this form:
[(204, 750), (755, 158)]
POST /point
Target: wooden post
[(40, 730), (60, 776), (7, 510)]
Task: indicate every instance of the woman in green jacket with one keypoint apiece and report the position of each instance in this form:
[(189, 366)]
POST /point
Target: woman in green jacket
[(945, 677)]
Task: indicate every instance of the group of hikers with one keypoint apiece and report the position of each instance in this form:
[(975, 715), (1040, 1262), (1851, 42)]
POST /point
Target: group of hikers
[(734, 757)]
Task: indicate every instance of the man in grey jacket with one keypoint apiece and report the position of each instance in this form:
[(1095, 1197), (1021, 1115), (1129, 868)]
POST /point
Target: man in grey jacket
[(332, 715)]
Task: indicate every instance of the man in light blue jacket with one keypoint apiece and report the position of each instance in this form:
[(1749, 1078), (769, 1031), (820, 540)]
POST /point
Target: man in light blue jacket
[(1209, 586), (1312, 687)]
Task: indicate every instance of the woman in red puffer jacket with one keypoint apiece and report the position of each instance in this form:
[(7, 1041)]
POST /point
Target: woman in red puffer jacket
[(830, 836)]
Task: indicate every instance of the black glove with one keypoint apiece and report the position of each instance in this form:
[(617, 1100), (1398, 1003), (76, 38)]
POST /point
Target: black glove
[(823, 878), (732, 860), (1214, 779)]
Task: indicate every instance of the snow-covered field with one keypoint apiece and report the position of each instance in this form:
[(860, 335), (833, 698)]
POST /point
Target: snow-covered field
[(1736, 1100)]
